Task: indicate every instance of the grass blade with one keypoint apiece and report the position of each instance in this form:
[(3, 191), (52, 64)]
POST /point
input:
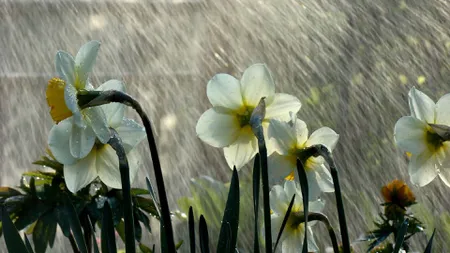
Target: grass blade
[(230, 220), (94, 240), (430, 243), (116, 143), (108, 243), (283, 224), (75, 225), (256, 186), (191, 230), (13, 240), (204, 237), (305, 192), (401, 236), (28, 244)]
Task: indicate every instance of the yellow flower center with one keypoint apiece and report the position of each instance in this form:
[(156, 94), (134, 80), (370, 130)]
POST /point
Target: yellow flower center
[(244, 115), (434, 141), (295, 221), (55, 100), (291, 176)]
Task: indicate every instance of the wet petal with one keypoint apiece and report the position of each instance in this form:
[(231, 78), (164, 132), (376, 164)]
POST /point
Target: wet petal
[(114, 112), (97, 120), (282, 137), (242, 150), (65, 66), (312, 246), (278, 200), (256, 83), (316, 206), (325, 136), (313, 185), (58, 142), (280, 167), (80, 174), (301, 132), (293, 243), (281, 106), (276, 221), (70, 97), (324, 178), (423, 168), (81, 141), (84, 62), (422, 107), (217, 129), (131, 133), (443, 110), (290, 187), (410, 135), (225, 91), (444, 159)]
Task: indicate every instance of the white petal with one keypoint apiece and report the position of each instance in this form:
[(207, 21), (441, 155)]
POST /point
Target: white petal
[(97, 120), (422, 107), (443, 110), (58, 141), (80, 174), (316, 206), (276, 221), (282, 137), (225, 91), (71, 100), (301, 132), (81, 141), (131, 133), (312, 246), (325, 136), (113, 111), (280, 167), (108, 166), (410, 135), (278, 200), (65, 66), (256, 83), (85, 60), (217, 129), (423, 168), (290, 187), (281, 106), (242, 150), (293, 243), (313, 185), (324, 178), (444, 159)]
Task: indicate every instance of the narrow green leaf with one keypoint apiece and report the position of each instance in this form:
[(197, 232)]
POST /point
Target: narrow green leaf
[(401, 236), (256, 186), (137, 230), (179, 244), (94, 239), (142, 217), (108, 243), (204, 237), (61, 218), (14, 242), (139, 191), (74, 222), (28, 244), (283, 224), (44, 232), (146, 205), (152, 194), (305, 194), (145, 249), (191, 230), (46, 162), (266, 190), (6, 192), (230, 220), (430, 243)]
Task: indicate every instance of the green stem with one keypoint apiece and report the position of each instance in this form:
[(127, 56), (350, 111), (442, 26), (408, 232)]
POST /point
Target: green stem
[(73, 244)]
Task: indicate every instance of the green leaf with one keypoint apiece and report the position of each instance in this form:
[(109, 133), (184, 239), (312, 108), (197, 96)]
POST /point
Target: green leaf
[(204, 237), (230, 220), (137, 230), (107, 232), (14, 242), (44, 232), (6, 192), (305, 194), (39, 174), (401, 236), (61, 218), (139, 191), (75, 225), (143, 218), (179, 244), (50, 163), (191, 230), (430, 243), (145, 249), (31, 211), (94, 239), (283, 224), (28, 244), (256, 186), (146, 205)]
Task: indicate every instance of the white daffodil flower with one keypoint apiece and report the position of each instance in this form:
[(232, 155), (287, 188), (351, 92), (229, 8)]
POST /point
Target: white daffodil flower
[(291, 240), (101, 161), (89, 123), (226, 125), (289, 140), (416, 134)]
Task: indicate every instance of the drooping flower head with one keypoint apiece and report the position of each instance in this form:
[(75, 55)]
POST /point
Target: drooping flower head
[(101, 161), (87, 124), (423, 136), (289, 140), (292, 237), (227, 124)]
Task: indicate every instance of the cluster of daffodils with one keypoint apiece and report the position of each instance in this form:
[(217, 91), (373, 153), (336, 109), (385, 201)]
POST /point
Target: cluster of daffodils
[(79, 137), (425, 137), (227, 125)]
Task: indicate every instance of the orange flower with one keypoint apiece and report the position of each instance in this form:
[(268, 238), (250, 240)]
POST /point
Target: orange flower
[(398, 193)]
